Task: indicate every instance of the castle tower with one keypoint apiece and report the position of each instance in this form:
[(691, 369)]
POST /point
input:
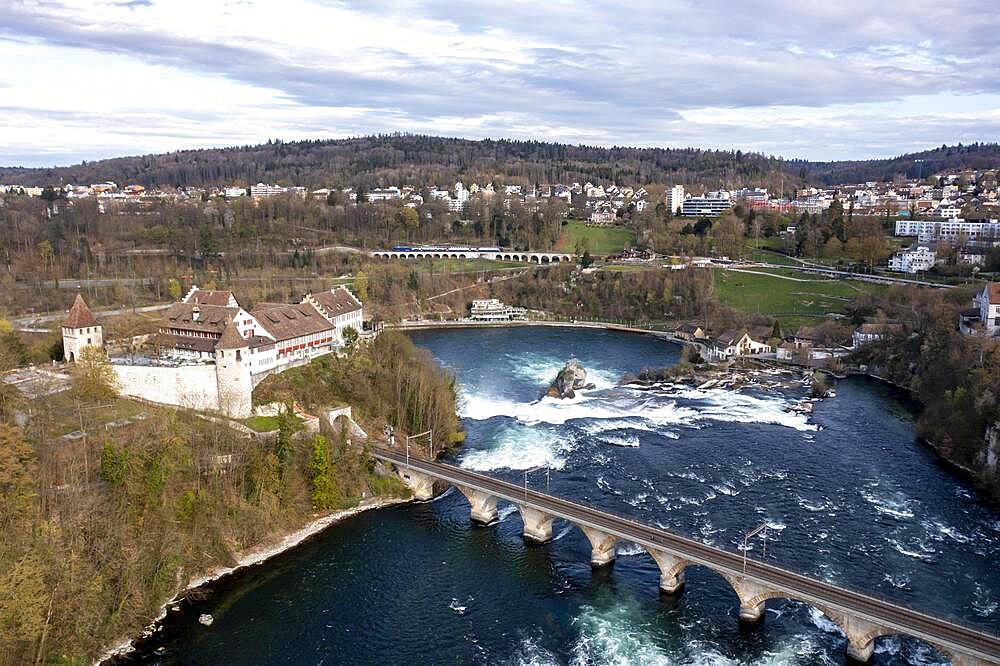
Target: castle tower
[(232, 372), (79, 330)]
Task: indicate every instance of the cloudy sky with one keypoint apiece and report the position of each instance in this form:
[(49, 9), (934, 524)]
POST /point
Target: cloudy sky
[(800, 78)]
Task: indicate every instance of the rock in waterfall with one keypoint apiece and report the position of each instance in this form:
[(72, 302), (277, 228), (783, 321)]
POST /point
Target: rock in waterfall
[(570, 379)]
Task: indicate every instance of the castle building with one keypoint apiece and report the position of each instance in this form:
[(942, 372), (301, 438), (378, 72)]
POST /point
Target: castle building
[(80, 329), (232, 369), (210, 352)]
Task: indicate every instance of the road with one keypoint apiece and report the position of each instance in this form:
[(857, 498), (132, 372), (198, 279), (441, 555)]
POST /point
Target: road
[(30, 322), (80, 283), (948, 635)]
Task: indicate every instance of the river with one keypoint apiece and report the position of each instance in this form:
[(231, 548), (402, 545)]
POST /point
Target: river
[(849, 493)]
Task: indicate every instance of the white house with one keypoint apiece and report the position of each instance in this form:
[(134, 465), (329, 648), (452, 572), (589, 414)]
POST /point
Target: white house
[(737, 343), (871, 332), (988, 301), (913, 260)]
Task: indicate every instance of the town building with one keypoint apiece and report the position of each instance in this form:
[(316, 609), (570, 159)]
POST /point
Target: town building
[(603, 218), (872, 332), (712, 204), (260, 190), (740, 343), (690, 332), (913, 260), (492, 309), (951, 231), (80, 330)]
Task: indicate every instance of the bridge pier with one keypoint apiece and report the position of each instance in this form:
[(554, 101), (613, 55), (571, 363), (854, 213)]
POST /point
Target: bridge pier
[(537, 525), (421, 485), (602, 546), (860, 634), (671, 570), (483, 505), (752, 597)]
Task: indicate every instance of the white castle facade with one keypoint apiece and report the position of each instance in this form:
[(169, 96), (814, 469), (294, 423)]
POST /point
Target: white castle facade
[(210, 352)]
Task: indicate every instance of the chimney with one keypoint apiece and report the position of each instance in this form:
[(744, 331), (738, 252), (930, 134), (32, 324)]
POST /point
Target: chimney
[(195, 313)]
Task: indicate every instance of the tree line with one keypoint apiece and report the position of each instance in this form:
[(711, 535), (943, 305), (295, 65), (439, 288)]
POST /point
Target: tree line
[(410, 159)]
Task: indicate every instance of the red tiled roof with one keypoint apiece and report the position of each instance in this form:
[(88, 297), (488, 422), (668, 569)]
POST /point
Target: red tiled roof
[(231, 338), (209, 297), (284, 322), (211, 318), (337, 301), (993, 292), (79, 315)]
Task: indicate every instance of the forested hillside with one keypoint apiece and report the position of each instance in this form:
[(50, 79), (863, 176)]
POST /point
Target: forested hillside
[(419, 160)]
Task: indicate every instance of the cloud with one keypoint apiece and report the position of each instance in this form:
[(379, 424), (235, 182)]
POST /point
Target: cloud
[(657, 73)]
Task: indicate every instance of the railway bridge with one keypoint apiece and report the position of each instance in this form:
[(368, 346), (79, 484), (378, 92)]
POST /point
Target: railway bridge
[(861, 617), (473, 253)]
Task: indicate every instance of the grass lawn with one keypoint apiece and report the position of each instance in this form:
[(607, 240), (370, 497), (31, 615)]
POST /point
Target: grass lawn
[(790, 301), (767, 255), (460, 265), (266, 423), (599, 240), (630, 268)]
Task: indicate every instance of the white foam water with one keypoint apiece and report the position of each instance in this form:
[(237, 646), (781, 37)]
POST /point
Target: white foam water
[(614, 636), (563, 532), (530, 653), (725, 489), (893, 504), (505, 512), (519, 447), (726, 405), (541, 369), (630, 441), (598, 427), (598, 405), (898, 581), (921, 554), (823, 622), (982, 603), (630, 550), (939, 530)]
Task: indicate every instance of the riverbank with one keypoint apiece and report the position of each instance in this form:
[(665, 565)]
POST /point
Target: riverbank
[(251, 558), (430, 325)]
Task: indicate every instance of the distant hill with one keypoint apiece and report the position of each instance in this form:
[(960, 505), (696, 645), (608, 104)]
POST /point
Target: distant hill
[(403, 159)]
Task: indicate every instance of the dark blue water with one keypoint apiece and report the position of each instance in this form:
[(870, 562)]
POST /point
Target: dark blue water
[(849, 493)]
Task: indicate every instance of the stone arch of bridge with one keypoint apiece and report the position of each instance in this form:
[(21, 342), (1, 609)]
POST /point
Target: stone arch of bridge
[(861, 634)]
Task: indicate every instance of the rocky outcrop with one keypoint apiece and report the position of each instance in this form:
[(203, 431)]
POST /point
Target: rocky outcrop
[(572, 378), (989, 459)]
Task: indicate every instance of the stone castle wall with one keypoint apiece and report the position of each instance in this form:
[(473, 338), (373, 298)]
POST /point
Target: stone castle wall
[(191, 386)]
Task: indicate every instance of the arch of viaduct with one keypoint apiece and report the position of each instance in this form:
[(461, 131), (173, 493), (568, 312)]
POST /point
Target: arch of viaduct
[(527, 257), (861, 631)]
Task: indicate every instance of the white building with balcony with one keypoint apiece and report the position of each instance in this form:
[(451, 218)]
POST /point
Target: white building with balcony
[(493, 309), (913, 260)]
